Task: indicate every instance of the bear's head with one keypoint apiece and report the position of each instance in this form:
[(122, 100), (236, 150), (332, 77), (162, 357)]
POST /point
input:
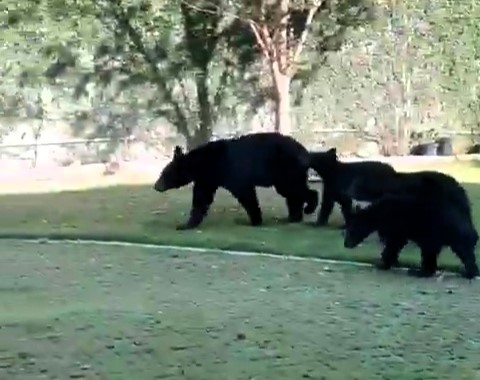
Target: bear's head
[(324, 163), (358, 227), (363, 188), (176, 174)]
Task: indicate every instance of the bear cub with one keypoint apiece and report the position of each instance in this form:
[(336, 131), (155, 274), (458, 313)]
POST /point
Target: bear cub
[(431, 222), (339, 178)]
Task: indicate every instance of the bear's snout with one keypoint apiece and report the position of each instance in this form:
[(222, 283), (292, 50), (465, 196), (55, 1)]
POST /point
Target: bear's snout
[(159, 186)]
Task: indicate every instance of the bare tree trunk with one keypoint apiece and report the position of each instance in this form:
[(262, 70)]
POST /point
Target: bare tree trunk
[(204, 131), (197, 139), (406, 81), (280, 71), (205, 108), (283, 123)]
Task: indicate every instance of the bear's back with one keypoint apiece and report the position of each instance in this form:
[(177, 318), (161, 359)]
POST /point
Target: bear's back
[(363, 180), (436, 186), (424, 215), (400, 217), (261, 157)]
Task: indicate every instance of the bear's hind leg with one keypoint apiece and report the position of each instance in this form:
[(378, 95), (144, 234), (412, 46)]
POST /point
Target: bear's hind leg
[(428, 266), (249, 201), (295, 199)]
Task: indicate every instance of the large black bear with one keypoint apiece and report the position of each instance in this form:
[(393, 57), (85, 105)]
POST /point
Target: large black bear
[(239, 165), (432, 217), (339, 177)]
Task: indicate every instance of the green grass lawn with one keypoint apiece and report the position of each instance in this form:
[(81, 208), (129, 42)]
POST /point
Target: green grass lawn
[(123, 313), (138, 214)]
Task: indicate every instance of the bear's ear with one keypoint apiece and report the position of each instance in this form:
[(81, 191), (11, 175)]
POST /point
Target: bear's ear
[(356, 208), (332, 152), (177, 152)]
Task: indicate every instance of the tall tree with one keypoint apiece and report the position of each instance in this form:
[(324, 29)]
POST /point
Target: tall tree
[(26, 30), (283, 29), (458, 32), (176, 60)]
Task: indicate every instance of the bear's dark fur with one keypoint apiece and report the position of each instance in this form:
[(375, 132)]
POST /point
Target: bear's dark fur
[(433, 217), (406, 184), (338, 178), (239, 165)]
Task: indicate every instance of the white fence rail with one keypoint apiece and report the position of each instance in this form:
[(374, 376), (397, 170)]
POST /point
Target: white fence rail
[(32, 150), (66, 142)]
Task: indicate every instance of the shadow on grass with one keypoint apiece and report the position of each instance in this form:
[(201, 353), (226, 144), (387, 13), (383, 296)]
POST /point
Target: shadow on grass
[(138, 214)]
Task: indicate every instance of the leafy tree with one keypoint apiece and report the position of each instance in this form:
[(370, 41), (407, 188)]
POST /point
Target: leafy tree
[(458, 32), (174, 59), (28, 30), (400, 53), (283, 29)]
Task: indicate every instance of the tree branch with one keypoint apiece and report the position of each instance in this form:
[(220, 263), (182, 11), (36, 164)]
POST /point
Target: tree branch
[(219, 94), (184, 91), (281, 37), (303, 37), (258, 35), (160, 81)]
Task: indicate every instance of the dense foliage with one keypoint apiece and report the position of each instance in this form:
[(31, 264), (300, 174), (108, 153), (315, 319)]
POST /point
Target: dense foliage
[(116, 67)]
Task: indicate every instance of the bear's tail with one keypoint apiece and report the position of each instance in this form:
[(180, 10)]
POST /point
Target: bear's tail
[(311, 201)]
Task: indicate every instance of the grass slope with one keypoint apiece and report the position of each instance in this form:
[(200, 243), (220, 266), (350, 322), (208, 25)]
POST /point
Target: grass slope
[(138, 214), (90, 312)]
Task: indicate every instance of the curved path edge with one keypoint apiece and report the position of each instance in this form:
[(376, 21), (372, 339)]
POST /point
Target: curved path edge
[(45, 240)]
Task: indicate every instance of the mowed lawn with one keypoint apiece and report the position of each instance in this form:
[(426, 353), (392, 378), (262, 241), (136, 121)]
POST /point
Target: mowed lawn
[(139, 214), (92, 312)]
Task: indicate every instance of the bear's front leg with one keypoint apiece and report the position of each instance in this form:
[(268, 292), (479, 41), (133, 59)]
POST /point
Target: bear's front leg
[(326, 208), (346, 205), (467, 256), (203, 196), (311, 201), (390, 252)]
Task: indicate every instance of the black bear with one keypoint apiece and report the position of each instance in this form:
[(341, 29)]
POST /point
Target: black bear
[(432, 217), (239, 165), (339, 177)]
